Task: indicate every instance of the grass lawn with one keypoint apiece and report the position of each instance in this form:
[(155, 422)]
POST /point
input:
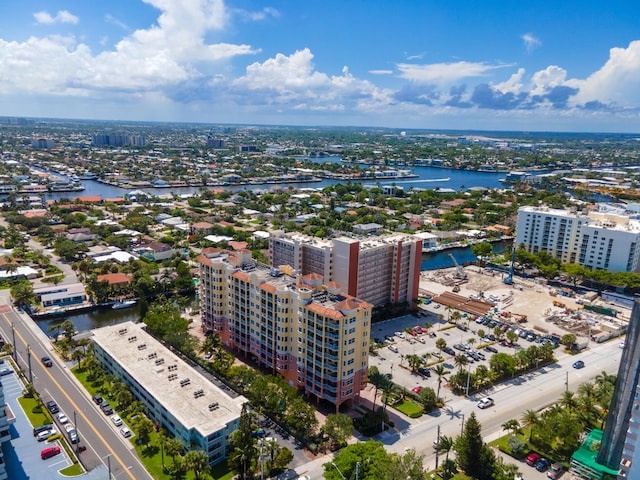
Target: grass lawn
[(36, 419), (72, 471), (151, 456), (410, 409)]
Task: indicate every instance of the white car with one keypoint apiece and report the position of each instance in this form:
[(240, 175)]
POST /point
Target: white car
[(399, 334), (126, 433), (42, 436), (117, 421), (62, 418), (68, 427), (485, 403)]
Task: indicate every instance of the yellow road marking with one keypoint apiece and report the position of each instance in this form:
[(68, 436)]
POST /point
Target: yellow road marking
[(77, 409)]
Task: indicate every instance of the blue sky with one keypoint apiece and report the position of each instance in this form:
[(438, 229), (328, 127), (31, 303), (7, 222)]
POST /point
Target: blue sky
[(445, 64)]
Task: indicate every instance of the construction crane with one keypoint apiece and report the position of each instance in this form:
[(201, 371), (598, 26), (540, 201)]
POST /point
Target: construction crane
[(508, 280), (460, 273)]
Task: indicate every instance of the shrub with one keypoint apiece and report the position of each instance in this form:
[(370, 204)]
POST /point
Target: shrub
[(516, 446)]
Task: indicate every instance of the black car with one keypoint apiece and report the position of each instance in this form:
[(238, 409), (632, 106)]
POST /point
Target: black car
[(424, 371), (106, 408), (97, 399), (52, 407), (42, 428), (491, 349), (47, 362), (449, 350)]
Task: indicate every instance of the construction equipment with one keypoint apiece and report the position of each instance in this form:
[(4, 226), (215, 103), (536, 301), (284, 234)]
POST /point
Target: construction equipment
[(508, 280), (460, 273)]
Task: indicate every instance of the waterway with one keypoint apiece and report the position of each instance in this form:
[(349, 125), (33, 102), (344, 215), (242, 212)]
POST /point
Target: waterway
[(428, 178)]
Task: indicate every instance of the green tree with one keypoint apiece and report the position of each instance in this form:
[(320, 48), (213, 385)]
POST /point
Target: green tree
[(440, 372), (568, 340), (198, 461), (174, 448), (243, 446), (414, 362), (531, 419), (475, 457), (371, 457), (338, 427), (144, 427), (22, 293)]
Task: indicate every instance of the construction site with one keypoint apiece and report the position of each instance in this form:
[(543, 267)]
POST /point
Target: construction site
[(529, 304)]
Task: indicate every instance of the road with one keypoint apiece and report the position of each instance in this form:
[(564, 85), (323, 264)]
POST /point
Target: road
[(512, 399), (105, 445)]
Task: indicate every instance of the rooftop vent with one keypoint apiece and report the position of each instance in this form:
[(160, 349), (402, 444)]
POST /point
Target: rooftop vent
[(213, 406), (172, 368), (198, 393), (132, 338), (142, 346), (122, 331), (172, 377), (160, 361), (184, 382), (152, 355)]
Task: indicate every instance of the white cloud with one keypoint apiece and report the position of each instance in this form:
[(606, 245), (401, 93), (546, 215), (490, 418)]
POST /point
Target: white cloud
[(63, 16), (380, 72), (443, 74), (618, 80), (513, 84), (530, 42), (257, 16), (114, 21), (544, 80), (170, 51)]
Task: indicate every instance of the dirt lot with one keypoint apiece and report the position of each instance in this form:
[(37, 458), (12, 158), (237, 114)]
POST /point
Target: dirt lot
[(523, 297)]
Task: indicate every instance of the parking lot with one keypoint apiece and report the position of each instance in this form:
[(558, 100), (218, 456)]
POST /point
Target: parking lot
[(464, 339)]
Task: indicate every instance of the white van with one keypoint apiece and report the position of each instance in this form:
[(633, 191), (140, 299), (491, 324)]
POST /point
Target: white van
[(393, 348)]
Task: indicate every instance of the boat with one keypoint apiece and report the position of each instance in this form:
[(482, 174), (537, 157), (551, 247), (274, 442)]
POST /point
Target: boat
[(119, 305)]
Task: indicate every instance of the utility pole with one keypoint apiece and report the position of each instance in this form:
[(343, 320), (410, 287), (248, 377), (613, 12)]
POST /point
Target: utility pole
[(437, 449), (29, 364), (566, 381), (75, 424), (14, 349), (462, 426)]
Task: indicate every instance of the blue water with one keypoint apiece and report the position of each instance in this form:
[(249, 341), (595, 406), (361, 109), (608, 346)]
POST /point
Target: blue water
[(436, 260), (428, 178)]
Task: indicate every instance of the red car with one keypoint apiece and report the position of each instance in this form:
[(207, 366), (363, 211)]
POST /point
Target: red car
[(533, 458), (416, 389)]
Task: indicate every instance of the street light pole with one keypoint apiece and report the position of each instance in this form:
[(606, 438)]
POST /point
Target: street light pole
[(15, 350), (462, 426), (29, 364), (566, 381)]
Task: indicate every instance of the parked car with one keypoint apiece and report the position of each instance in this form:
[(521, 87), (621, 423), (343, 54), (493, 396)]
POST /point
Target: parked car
[(533, 458), (485, 403), (416, 389), (542, 464), (117, 421), (393, 348), (44, 435), (42, 428), (62, 418), (52, 406), (73, 436), (449, 350), (47, 362), (491, 349), (578, 364), (49, 452), (5, 371), (555, 471), (106, 408), (424, 371), (126, 433), (97, 399)]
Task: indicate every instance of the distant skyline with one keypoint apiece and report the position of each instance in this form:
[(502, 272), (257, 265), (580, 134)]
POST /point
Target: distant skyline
[(571, 66)]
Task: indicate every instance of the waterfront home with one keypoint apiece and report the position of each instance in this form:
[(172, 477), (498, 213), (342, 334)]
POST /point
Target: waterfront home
[(115, 278), (60, 295), (155, 251), (366, 228)]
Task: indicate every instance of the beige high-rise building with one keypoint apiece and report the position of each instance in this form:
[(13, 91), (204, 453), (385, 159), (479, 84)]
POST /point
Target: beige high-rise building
[(307, 331), (379, 270)]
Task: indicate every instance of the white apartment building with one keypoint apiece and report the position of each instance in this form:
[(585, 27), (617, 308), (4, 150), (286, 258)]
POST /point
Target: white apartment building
[(597, 240), (379, 270), (177, 396), (6, 419)]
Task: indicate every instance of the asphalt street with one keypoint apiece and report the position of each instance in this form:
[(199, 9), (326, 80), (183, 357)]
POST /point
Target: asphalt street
[(105, 445)]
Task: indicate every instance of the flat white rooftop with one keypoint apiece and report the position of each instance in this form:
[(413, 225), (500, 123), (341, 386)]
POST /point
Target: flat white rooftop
[(193, 400)]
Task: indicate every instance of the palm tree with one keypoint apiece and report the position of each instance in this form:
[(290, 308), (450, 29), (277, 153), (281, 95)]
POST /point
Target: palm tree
[(461, 361), (198, 461), (511, 425), (587, 389), (530, 418), (376, 379), (445, 444), (440, 372), (568, 400), (414, 362)]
